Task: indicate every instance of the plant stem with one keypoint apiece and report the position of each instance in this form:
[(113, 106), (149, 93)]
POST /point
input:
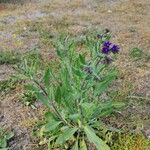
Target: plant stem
[(52, 103)]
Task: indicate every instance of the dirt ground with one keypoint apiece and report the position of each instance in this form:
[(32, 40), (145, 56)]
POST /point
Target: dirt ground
[(24, 27)]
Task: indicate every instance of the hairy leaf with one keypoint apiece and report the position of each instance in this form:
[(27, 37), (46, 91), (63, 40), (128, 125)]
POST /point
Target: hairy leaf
[(3, 143), (9, 135), (82, 59), (66, 135), (51, 125), (99, 143), (102, 86), (43, 99), (46, 77), (58, 95), (75, 147)]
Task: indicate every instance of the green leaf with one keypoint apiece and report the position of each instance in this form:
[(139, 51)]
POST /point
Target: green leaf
[(47, 77), (82, 58), (43, 99), (78, 72), (98, 125), (51, 95), (118, 104), (58, 95), (31, 88), (60, 49), (50, 116), (74, 116), (83, 145), (106, 112), (3, 143), (106, 105), (9, 135), (88, 109), (75, 147), (51, 126), (99, 143), (104, 109), (68, 133), (102, 86)]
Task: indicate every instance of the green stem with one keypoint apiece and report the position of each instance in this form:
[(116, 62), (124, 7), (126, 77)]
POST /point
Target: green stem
[(52, 103)]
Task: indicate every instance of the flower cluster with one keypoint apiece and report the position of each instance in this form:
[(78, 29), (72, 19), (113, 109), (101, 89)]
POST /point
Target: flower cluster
[(109, 47)]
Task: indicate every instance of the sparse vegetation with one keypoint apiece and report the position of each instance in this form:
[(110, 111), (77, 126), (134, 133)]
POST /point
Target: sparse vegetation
[(5, 136), (9, 57), (10, 1), (130, 141), (29, 32), (137, 54), (28, 97), (7, 85)]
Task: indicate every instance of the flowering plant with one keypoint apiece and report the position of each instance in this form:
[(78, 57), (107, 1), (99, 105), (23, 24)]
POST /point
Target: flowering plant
[(109, 47), (72, 95)]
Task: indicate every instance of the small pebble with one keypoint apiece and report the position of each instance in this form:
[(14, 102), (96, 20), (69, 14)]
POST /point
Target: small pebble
[(109, 11)]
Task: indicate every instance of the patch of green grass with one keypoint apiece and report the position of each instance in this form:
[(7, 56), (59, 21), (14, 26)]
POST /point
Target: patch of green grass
[(28, 97), (137, 54), (8, 57), (11, 58), (32, 55), (8, 85)]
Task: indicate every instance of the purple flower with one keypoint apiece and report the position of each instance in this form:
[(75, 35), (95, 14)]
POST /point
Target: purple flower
[(105, 50), (107, 44), (115, 48), (106, 47), (109, 47)]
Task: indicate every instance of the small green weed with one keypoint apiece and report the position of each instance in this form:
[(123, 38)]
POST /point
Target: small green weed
[(5, 136), (9, 57), (28, 97), (32, 56), (14, 59), (137, 54), (8, 85)]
